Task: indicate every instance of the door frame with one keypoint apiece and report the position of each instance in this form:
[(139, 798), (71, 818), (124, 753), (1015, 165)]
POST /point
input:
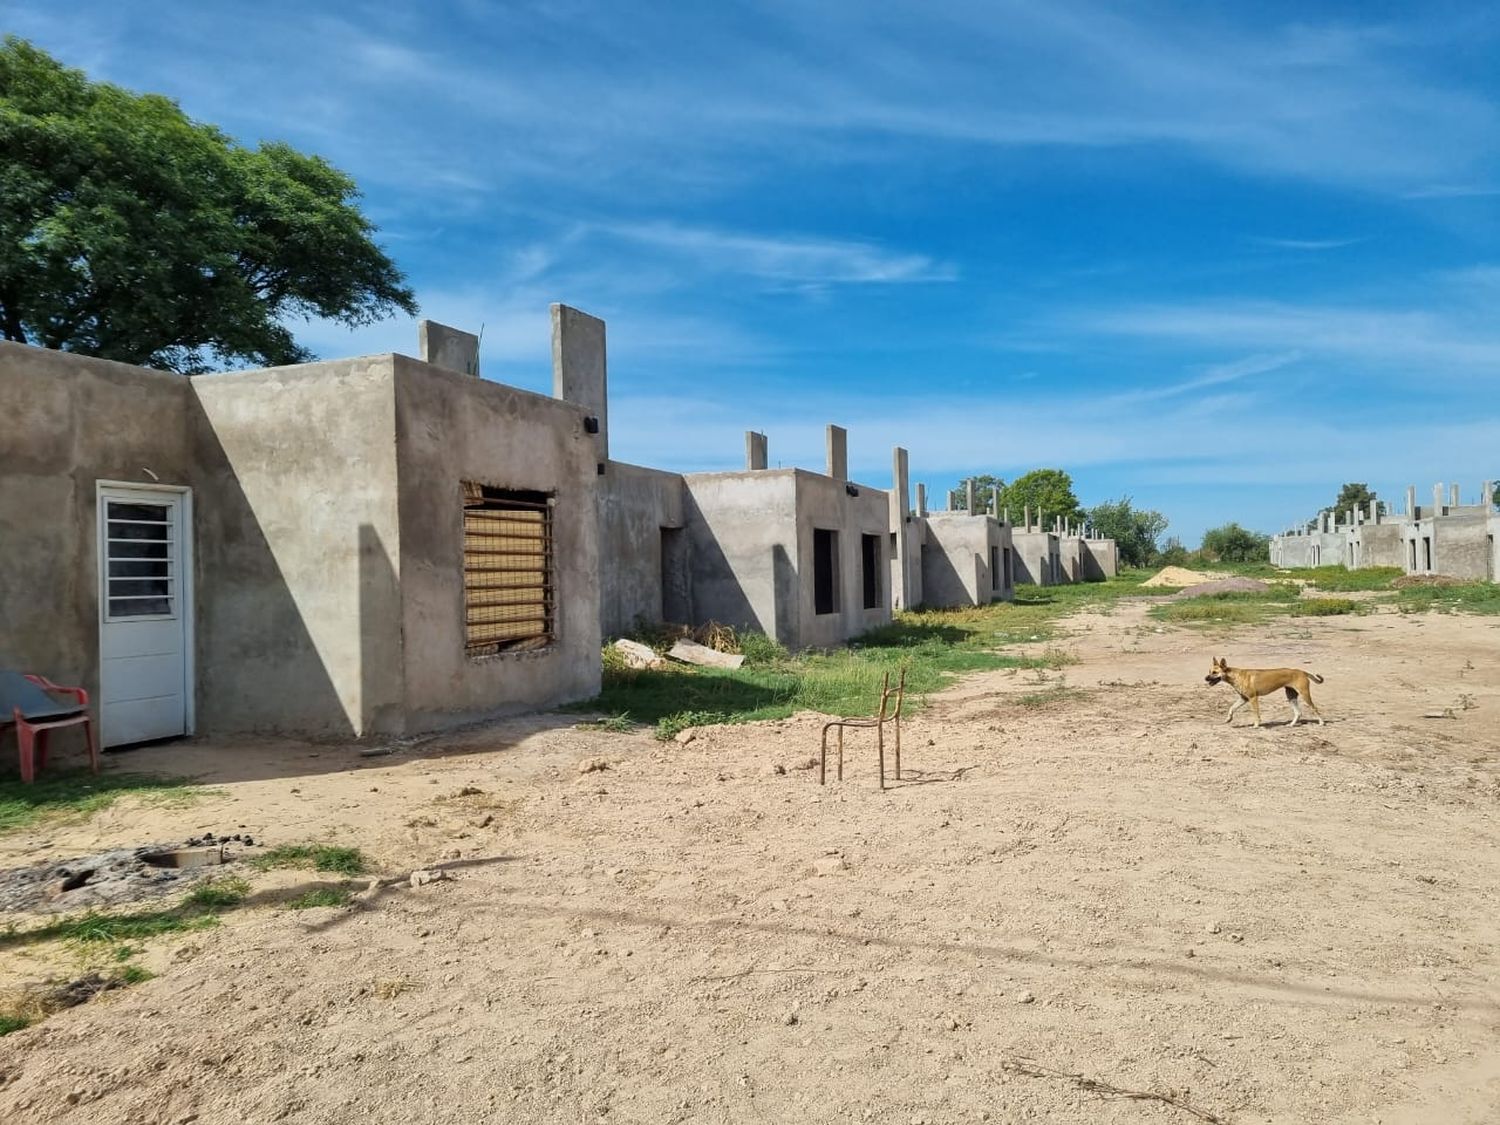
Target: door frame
[(187, 594)]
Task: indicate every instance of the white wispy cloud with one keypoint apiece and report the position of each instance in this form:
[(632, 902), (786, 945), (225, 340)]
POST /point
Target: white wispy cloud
[(785, 258), (1308, 243)]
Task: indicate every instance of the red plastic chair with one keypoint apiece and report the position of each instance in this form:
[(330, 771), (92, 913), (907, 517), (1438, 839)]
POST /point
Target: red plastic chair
[(36, 715)]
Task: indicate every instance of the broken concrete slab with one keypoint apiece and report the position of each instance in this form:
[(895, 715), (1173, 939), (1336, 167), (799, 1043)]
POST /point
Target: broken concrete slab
[(638, 655), (690, 652)]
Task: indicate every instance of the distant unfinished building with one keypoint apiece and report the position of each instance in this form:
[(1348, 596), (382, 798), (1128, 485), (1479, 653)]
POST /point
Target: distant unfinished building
[(1449, 537)]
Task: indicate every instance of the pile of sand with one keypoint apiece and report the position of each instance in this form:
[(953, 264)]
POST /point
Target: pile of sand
[(1235, 585), (1177, 576)]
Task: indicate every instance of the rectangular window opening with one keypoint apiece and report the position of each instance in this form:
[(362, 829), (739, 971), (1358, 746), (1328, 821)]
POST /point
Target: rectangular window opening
[(1426, 552), (870, 558), (825, 571), (994, 568), (509, 598)]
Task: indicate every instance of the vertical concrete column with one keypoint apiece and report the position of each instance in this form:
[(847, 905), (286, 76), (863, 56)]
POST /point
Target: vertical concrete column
[(579, 372), (995, 503), (922, 501), (1487, 494), (1027, 510), (900, 489), (448, 348), (755, 450), (1006, 520), (971, 497), (838, 452), (1374, 510), (1411, 502), (1437, 499), (1453, 496)]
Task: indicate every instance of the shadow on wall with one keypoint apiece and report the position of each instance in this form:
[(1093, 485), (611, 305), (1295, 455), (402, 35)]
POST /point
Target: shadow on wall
[(382, 670), (717, 592), (259, 669), (942, 585)]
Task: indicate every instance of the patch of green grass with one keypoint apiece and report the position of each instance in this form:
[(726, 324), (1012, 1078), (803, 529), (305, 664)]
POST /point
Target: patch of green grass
[(1048, 696), (1341, 579), (322, 896), (80, 793), (1324, 607), (12, 1023), (615, 724), (318, 857), (134, 974), (933, 646), (1473, 597), (219, 894)]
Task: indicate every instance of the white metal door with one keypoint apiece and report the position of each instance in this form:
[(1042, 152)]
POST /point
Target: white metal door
[(144, 604)]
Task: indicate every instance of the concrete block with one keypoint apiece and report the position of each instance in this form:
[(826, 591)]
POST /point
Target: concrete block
[(1453, 496), (690, 652), (1411, 502), (638, 655), (838, 452), (971, 497), (755, 450), (922, 501), (449, 348), (579, 367)]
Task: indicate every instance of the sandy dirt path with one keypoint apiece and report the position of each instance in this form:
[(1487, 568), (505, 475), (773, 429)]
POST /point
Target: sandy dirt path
[(1093, 878)]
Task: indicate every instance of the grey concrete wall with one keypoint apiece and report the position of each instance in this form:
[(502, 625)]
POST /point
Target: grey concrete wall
[(1464, 547), (742, 539), (637, 584), (957, 564), (1379, 544), (1070, 552), (67, 421), (299, 610), (826, 503), (452, 348), (450, 429), (580, 368), (1101, 559), (1036, 555)]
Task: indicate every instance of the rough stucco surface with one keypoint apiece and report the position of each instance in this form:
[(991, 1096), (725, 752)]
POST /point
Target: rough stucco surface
[(1463, 548), (1033, 551), (299, 606), (1101, 559), (956, 564), (742, 539), (1379, 545), (635, 505), (826, 503), (450, 429), (67, 421)]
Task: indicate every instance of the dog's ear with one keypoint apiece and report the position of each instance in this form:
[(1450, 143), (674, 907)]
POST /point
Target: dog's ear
[(1223, 663)]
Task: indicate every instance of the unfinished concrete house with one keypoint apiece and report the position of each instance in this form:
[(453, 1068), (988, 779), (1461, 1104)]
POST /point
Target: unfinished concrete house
[(1037, 553), (1448, 537), (967, 556), (372, 545)]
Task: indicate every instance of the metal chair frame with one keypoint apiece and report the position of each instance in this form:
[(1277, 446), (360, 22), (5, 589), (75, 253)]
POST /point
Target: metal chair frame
[(877, 724)]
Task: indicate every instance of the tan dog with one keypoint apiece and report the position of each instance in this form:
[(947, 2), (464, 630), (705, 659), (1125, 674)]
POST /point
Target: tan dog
[(1252, 683)]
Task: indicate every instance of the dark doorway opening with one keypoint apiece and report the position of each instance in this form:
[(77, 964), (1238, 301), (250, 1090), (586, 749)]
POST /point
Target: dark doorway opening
[(825, 571)]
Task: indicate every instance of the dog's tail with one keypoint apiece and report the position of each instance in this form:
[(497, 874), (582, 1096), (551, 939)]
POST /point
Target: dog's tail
[(1315, 678)]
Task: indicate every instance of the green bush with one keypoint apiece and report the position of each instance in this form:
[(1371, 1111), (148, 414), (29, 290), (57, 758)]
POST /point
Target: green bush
[(758, 648), (1325, 607)]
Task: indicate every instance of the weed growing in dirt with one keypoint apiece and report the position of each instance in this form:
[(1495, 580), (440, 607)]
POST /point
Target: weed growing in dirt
[(13, 1023), (614, 724), (134, 974), (1471, 597), (1324, 607), (1341, 579), (322, 896), (218, 894), (1047, 697), (318, 857), (80, 793)]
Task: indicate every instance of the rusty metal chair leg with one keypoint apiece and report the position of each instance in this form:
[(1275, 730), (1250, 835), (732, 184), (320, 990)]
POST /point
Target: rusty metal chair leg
[(823, 758), (841, 753)]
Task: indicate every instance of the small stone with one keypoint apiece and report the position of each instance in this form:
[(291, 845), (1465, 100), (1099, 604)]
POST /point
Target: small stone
[(950, 1024), (790, 1019), (684, 737), (1236, 937), (1214, 927), (1025, 998), (779, 769), (1190, 952), (830, 865), (592, 765), (422, 877), (485, 821)]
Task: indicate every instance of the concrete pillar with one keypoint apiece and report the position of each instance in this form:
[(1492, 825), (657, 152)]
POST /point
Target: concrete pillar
[(579, 372), (1006, 519), (1374, 510), (971, 497), (1437, 499), (755, 450), (902, 593), (1487, 494), (1411, 501), (449, 348), (838, 452), (1453, 493), (922, 500), (1027, 510), (995, 502)]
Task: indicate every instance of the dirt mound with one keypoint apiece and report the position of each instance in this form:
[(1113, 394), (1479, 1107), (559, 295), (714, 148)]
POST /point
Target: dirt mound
[(1224, 586), (1176, 576), (1408, 580)]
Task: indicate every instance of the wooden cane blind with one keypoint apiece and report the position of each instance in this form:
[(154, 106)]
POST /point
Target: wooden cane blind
[(509, 598)]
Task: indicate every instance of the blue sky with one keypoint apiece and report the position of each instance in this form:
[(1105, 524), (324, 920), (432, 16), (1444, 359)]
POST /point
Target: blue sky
[(1219, 258)]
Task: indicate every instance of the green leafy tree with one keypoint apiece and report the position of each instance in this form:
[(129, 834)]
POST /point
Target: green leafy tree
[(1172, 553), (129, 231), (1134, 530), (984, 486), (1233, 543), (1048, 492), (1352, 495)]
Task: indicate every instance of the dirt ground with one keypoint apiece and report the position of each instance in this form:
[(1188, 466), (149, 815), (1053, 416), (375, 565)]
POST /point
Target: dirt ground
[(1273, 925)]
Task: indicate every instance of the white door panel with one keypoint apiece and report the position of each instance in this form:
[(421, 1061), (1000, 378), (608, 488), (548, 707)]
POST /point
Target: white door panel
[(143, 657)]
